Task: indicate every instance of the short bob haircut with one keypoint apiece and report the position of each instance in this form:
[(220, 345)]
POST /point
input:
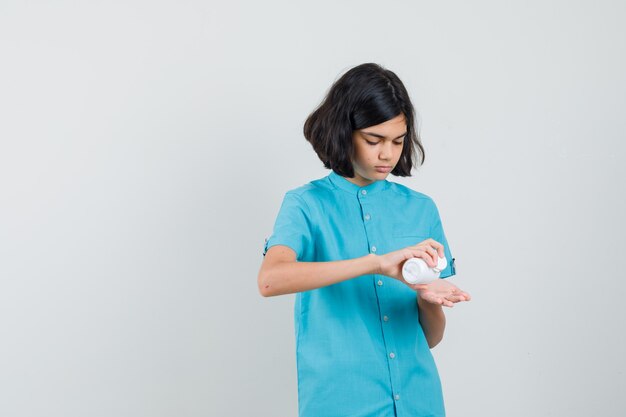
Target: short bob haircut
[(364, 96)]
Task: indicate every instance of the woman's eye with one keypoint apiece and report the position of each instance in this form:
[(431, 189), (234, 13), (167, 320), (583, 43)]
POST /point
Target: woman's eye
[(376, 143)]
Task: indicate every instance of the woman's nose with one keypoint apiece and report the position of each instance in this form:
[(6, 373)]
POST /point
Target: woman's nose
[(385, 151)]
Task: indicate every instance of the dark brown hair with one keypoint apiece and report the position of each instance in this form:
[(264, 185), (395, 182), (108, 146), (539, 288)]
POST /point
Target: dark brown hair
[(364, 96)]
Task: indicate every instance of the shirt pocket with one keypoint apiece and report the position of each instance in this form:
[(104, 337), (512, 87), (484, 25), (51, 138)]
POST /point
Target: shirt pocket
[(404, 235), (401, 242), (403, 230)]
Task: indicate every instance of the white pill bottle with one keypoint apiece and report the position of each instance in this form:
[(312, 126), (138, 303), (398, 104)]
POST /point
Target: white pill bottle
[(417, 271)]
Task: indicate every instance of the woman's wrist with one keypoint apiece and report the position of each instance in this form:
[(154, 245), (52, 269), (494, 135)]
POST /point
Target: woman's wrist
[(423, 303), (374, 263)]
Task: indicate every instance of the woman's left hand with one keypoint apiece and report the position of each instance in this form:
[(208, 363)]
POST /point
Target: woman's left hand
[(442, 292)]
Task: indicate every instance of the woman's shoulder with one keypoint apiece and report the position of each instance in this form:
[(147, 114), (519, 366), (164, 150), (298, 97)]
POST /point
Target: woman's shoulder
[(303, 191), (407, 192), (313, 189), (309, 195)]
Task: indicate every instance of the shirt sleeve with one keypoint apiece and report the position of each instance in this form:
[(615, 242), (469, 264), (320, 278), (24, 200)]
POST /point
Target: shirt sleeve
[(292, 226), (437, 233)]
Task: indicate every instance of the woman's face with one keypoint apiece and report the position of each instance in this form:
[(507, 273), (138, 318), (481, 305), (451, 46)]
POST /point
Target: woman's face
[(377, 146)]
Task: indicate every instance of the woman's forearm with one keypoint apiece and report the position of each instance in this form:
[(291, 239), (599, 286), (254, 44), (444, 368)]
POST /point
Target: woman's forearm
[(292, 277), (433, 321)]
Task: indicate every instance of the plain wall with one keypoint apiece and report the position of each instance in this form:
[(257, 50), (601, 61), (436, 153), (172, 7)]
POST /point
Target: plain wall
[(146, 147)]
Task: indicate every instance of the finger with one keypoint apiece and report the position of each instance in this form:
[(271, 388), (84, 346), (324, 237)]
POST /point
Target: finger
[(464, 294), (417, 253), (431, 250), (438, 246), (458, 298), (434, 255), (445, 302), (455, 298), (423, 254)]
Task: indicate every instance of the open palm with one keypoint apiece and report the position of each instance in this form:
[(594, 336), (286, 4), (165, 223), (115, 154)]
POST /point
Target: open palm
[(441, 291)]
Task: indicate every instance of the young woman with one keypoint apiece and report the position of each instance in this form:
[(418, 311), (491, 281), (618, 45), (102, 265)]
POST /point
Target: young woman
[(363, 335)]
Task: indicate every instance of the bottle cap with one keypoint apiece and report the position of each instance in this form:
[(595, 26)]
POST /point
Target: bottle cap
[(442, 263)]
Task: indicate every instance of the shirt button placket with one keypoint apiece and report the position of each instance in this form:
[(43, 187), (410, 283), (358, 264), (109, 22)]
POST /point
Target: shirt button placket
[(367, 216)]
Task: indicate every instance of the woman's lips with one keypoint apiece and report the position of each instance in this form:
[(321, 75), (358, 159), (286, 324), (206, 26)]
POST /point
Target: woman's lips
[(383, 169)]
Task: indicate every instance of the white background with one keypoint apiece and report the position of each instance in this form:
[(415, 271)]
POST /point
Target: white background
[(146, 147)]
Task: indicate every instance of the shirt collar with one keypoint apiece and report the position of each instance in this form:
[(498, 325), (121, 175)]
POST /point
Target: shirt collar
[(352, 188)]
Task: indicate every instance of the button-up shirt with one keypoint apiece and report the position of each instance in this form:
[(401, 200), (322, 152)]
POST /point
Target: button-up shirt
[(360, 348)]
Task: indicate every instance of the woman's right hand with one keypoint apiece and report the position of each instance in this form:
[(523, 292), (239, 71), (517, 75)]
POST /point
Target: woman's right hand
[(391, 263)]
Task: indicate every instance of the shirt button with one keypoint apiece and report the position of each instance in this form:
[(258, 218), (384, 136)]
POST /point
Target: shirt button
[(363, 192), (397, 397), (367, 217), (385, 318), (392, 355), (373, 248), (380, 282)]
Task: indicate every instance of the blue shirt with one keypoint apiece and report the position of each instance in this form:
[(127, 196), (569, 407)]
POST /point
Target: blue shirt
[(360, 348)]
